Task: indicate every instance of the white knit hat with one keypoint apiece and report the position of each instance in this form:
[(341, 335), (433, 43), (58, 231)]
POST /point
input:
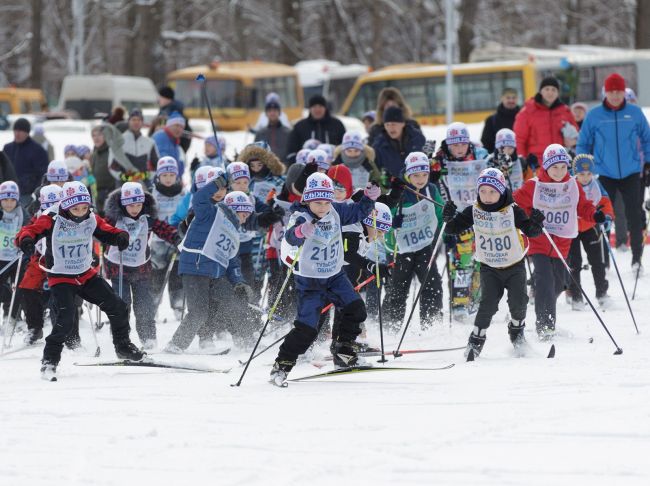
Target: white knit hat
[(318, 187), (57, 171), (238, 170), (131, 193), (416, 162), (50, 195), (74, 193), (240, 202), (384, 217)]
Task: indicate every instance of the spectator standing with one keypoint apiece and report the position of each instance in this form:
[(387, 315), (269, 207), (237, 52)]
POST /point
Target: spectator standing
[(168, 140), (504, 117), (99, 166), (40, 138), (168, 106), (274, 133)]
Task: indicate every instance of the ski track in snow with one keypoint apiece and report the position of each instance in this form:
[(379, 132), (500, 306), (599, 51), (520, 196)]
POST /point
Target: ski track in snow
[(581, 418)]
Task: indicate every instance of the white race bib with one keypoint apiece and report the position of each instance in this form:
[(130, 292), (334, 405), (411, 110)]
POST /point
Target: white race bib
[(9, 227), (135, 254), (461, 181), (419, 226), (277, 232), (497, 240), (222, 243), (72, 245), (516, 175), (559, 203), (360, 177)]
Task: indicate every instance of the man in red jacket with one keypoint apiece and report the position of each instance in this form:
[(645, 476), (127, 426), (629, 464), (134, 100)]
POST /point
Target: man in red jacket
[(562, 200), (540, 122)]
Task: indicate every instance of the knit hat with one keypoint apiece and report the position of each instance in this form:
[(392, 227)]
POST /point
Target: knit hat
[(319, 187), (630, 95), (70, 148), (614, 82), (328, 148), (9, 190), (238, 170), (166, 92), (416, 162), (550, 81), (320, 158), (494, 178), (317, 100), (352, 140), (272, 105), (272, 97), (301, 156), (384, 217), (457, 132), (341, 174), (175, 119), (50, 195), (579, 104), (212, 141), (22, 125), (74, 193), (505, 138), (569, 131), (240, 202), (369, 115), (136, 113), (83, 150), (583, 163), (555, 154), (207, 174), (394, 114), (131, 193), (39, 129), (311, 144), (57, 171), (167, 165)]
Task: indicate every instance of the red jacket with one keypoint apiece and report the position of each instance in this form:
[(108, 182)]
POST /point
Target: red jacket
[(537, 126), (524, 199), (605, 205), (42, 228)]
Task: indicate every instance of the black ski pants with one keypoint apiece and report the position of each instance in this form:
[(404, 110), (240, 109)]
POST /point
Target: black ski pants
[(592, 243), (549, 278)]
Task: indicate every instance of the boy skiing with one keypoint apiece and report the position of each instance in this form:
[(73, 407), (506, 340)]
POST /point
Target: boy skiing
[(500, 250)]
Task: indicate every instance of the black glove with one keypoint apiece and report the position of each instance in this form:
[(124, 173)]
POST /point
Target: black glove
[(176, 239), (449, 211), (27, 246), (449, 240), (267, 218), (532, 162), (537, 217), (599, 217), (195, 164), (398, 221), (122, 241), (396, 183), (646, 175), (505, 162), (384, 270), (429, 148), (221, 182), (244, 292), (95, 262)]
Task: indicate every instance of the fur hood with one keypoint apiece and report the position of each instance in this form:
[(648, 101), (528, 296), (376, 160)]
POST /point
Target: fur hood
[(268, 158), (113, 208), (368, 151)]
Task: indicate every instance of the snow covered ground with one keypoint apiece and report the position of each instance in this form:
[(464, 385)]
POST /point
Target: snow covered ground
[(579, 419)]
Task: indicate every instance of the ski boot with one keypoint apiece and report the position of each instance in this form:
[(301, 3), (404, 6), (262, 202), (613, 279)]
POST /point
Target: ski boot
[(129, 351), (475, 342), (33, 336), (516, 333), (280, 371), (48, 371), (546, 332), (577, 305), (344, 354)]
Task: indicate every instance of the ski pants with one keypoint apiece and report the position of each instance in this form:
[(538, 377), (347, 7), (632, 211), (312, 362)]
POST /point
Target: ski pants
[(549, 278), (592, 244), (494, 281), (174, 286), (136, 292), (6, 284), (96, 291)]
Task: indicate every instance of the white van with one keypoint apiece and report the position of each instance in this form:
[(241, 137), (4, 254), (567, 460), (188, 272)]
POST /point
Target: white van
[(94, 94)]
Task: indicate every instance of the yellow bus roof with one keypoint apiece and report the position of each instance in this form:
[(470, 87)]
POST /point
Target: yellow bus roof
[(248, 69), (416, 70)]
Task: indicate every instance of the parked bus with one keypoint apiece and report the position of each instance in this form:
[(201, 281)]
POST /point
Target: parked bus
[(477, 89), (236, 91), (21, 100), (330, 79)]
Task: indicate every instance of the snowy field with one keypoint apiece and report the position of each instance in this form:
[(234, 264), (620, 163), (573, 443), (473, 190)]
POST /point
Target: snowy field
[(579, 419)]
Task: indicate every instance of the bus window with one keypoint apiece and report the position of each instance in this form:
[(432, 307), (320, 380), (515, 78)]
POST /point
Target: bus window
[(338, 91), (415, 94), (5, 108), (284, 86), (222, 93), (36, 107), (366, 98)]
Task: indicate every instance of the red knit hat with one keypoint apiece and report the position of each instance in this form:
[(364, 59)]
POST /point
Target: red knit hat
[(614, 82), (341, 174)]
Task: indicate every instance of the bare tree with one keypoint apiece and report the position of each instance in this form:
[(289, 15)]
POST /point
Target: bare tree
[(642, 14), (36, 59)]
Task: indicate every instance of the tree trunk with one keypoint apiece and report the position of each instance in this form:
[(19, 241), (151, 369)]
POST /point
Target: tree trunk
[(292, 33), (36, 77), (129, 52), (468, 10), (148, 16), (642, 35)]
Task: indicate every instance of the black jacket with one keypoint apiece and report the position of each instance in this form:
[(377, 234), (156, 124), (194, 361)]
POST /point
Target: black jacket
[(7, 171), (503, 118), (327, 130)]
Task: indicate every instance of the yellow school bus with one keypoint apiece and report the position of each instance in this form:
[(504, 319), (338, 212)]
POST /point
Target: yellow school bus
[(477, 89), (21, 100), (236, 91)]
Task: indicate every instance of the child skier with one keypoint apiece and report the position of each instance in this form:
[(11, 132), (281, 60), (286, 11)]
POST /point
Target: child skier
[(505, 158), (562, 200), (266, 171), (500, 250), (12, 218), (359, 158), (590, 234), (69, 235), (132, 209), (314, 231), (414, 229)]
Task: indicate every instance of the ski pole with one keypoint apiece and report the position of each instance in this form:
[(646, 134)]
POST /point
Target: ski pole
[(4, 269), (165, 282), (270, 315), (378, 280), (121, 277), (423, 196), (201, 79), (92, 326), (11, 305), (584, 294), (396, 353), (618, 274)]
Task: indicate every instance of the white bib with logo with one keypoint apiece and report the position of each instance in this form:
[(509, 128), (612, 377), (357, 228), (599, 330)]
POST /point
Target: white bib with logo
[(135, 254), (497, 240), (360, 177), (72, 245), (461, 181), (277, 231), (559, 203), (322, 254), (222, 243), (419, 226), (516, 175), (9, 227)]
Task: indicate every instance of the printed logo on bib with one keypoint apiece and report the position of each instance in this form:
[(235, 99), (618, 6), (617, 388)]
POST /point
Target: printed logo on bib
[(135, 254), (497, 239), (461, 181), (559, 202), (72, 245), (9, 227), (419, 227)]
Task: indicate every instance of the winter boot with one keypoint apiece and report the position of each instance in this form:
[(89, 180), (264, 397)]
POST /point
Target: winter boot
[(129, 351), (48, 371), (577, 305), (475, 342), (344, 354), (603, 300), (280, 371), (516, 333), (33, 336)]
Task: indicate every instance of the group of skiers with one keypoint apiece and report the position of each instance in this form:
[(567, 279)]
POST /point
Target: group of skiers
[(312, 230)]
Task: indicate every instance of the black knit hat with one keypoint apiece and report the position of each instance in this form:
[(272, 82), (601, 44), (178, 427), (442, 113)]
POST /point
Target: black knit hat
[(166, 92), (393, 114), (550, 81), (22, 125), (317, 100)]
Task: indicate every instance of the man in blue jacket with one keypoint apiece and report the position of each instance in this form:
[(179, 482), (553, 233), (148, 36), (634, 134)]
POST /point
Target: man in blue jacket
[(616, 133)]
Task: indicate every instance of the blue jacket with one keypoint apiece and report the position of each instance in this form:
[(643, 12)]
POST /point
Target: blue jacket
[(194, 263), (182, 209), (615, 138), (30, 162), (390, 154), (168, 147)]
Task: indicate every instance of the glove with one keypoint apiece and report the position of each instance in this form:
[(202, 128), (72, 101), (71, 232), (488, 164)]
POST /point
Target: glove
[(195, 164), (177, 239), (537, 217), (384, 270), (532, 162), (607, 224), (244, 292), (449, 240), (646, 175), (398, 221), (505, 162), (221, 182), (122, 240), (267, 218), (599, 217), (429, 148), (27, 246), (306, 230), (372, 191), (95, 262), (449, 211), (396, 183)]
